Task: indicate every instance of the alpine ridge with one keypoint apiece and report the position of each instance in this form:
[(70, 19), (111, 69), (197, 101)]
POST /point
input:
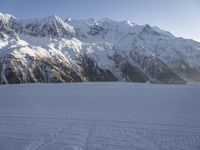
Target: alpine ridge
[(55, 50)]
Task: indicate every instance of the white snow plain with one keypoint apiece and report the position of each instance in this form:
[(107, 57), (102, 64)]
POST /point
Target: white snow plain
[(99, 116)]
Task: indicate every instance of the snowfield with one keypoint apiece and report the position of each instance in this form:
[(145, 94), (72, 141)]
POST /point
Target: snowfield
[(99, 116)]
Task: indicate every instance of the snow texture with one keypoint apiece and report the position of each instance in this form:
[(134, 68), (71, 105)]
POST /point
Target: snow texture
[(99, 116), (90, 49)]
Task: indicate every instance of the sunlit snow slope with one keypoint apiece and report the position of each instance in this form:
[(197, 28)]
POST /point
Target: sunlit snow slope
[(99, 116), (51, 49)]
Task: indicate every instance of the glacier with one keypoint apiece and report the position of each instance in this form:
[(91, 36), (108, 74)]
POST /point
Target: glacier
[(53, 50)]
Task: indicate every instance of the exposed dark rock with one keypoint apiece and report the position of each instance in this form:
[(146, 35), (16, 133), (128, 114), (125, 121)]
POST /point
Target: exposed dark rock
[(94, 73), (130, 72)]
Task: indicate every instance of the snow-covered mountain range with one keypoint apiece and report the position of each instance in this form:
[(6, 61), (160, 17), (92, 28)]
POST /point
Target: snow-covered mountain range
[(55, 50)]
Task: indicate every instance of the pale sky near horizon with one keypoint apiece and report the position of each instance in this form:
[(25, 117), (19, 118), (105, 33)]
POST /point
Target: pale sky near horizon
[(180, 17)]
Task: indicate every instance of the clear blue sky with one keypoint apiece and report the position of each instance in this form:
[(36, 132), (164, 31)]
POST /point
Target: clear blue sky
[(181, 17)]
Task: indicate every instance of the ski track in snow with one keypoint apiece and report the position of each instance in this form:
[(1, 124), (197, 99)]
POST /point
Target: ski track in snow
[(99, 116)]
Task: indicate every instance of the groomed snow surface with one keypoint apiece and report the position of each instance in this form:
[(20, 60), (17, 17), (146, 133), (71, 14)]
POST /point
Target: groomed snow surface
[(99, 116)]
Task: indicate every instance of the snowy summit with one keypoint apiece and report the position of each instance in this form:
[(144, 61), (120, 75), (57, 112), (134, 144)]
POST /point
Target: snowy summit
[(55, 50)]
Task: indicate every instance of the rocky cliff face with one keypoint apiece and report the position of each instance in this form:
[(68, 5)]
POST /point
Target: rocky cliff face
[(52, 50)]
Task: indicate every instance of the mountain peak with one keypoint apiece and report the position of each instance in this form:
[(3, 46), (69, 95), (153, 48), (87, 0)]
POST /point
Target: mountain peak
[(5, 17), (147, 27), (54, 50), (55, 18), (128, 22), (52, 26)]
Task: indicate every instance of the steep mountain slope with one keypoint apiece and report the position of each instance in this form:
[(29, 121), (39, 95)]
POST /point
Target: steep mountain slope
[(52, 50)]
